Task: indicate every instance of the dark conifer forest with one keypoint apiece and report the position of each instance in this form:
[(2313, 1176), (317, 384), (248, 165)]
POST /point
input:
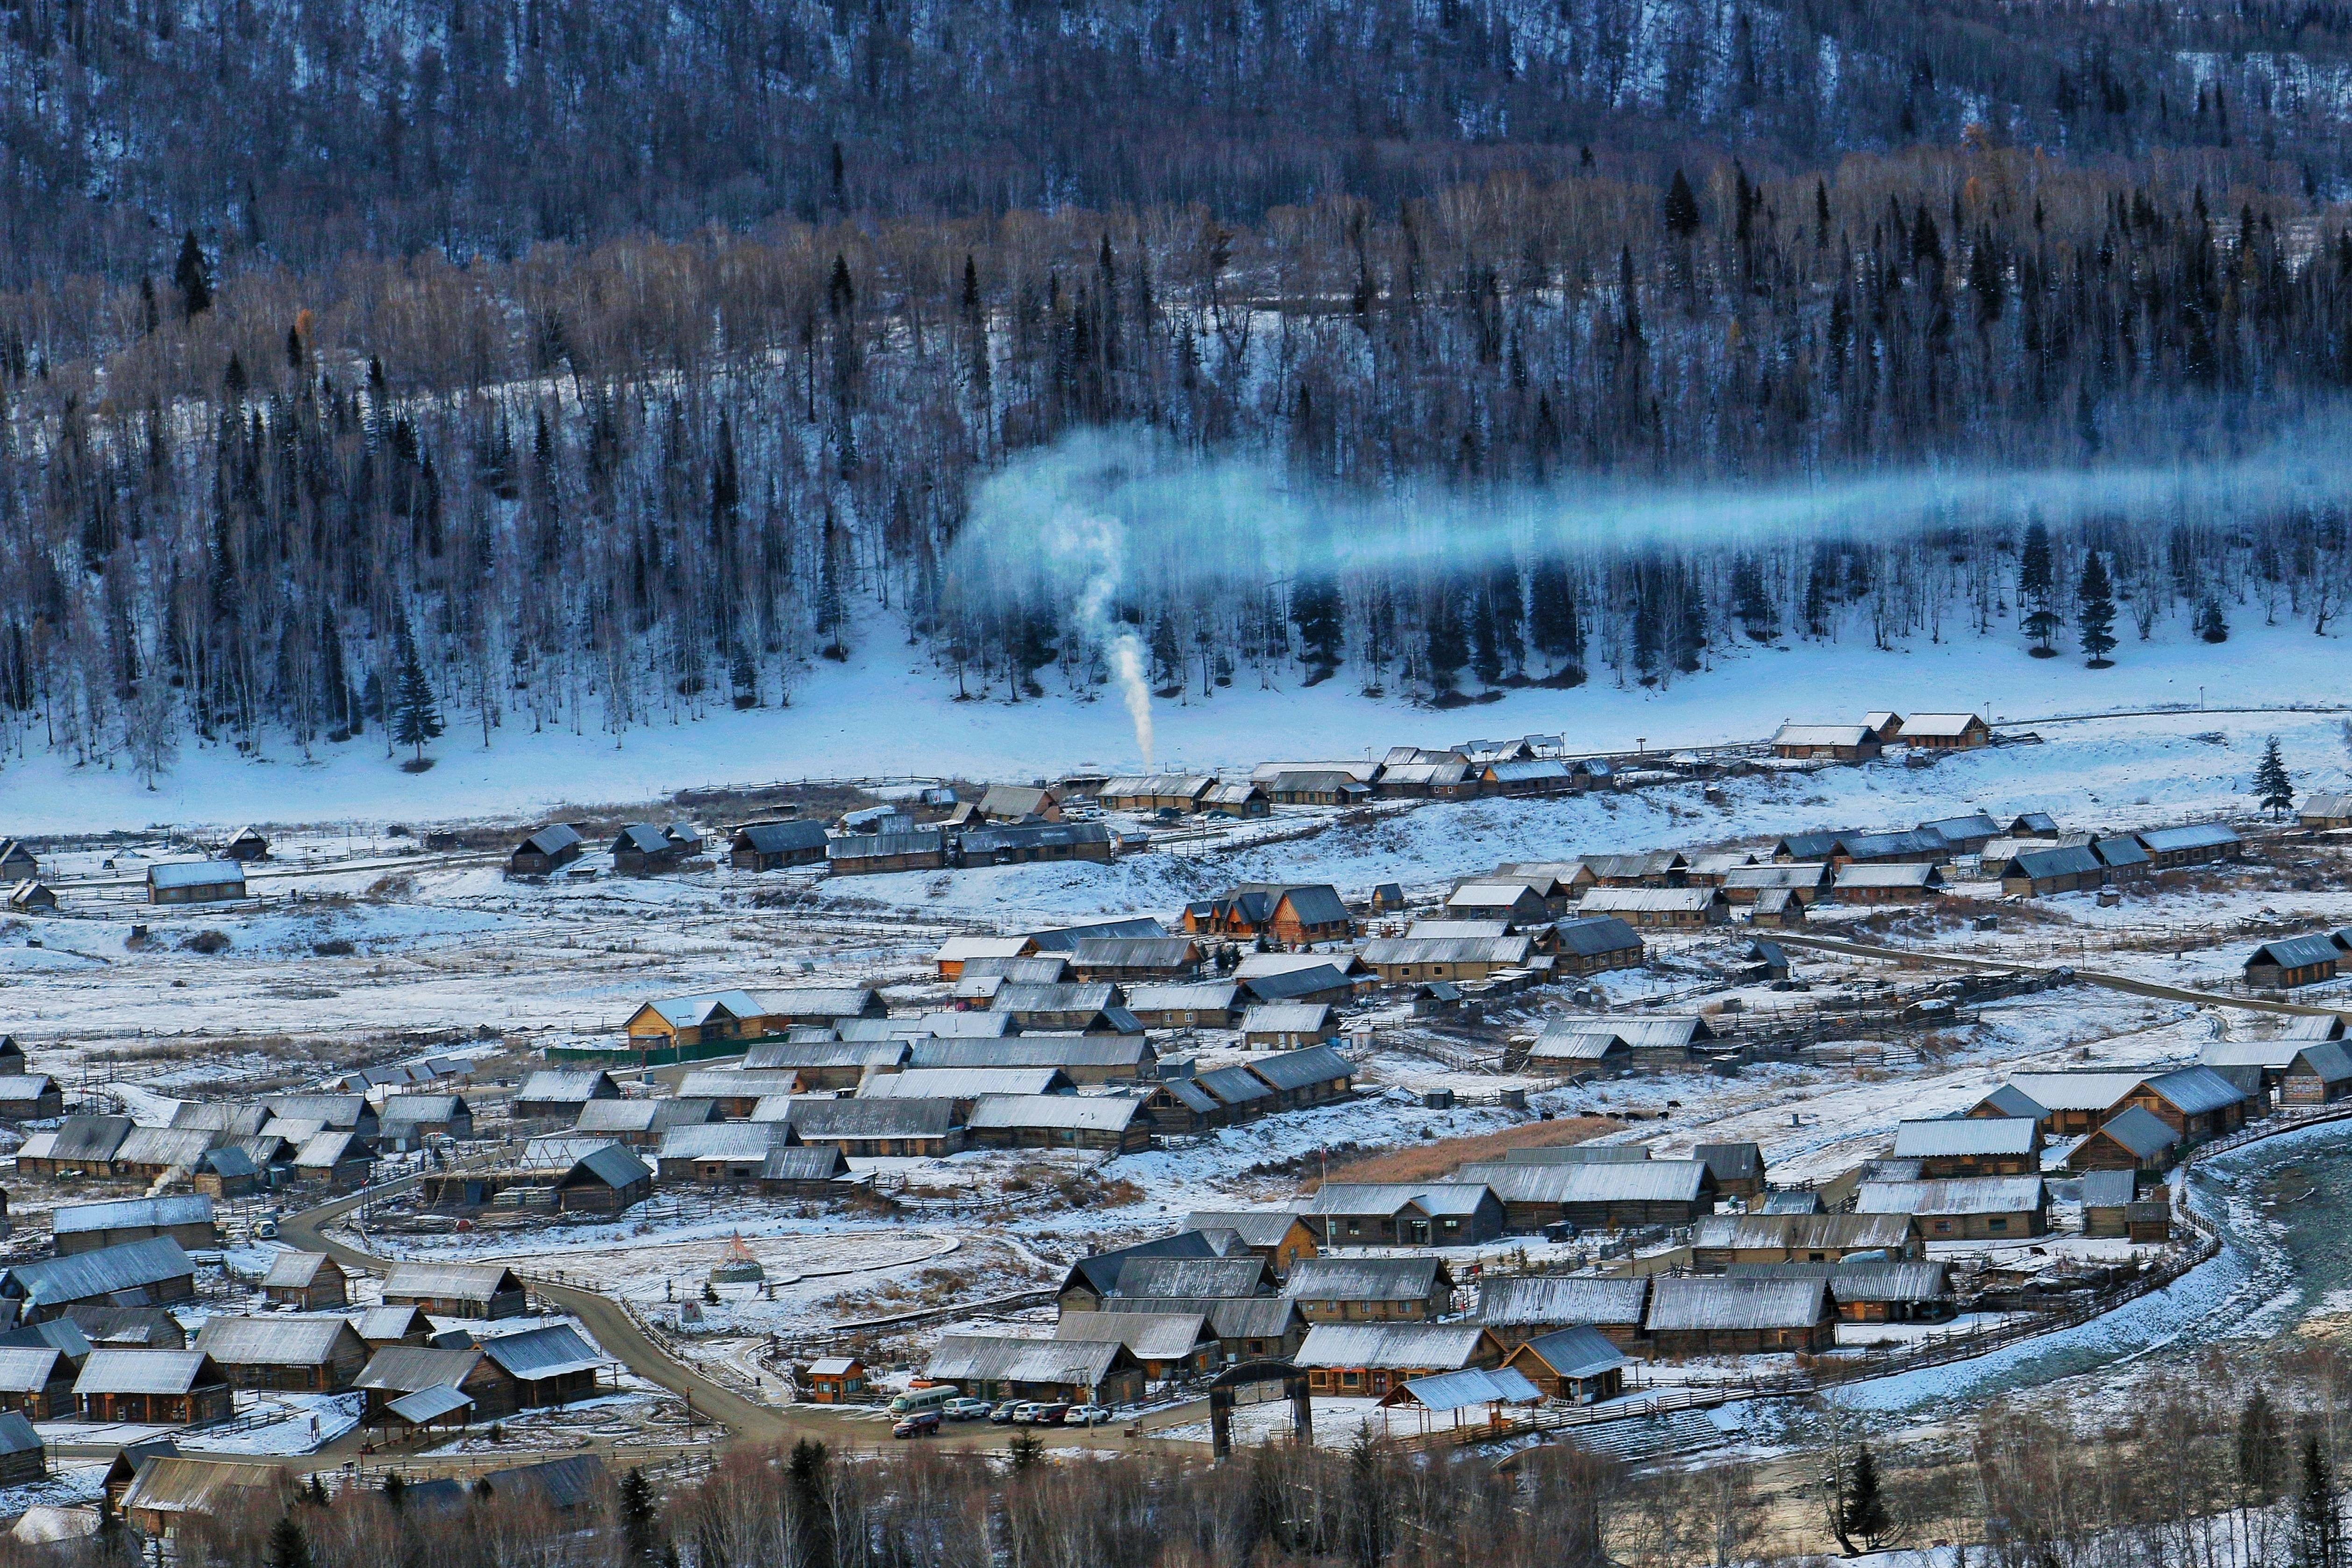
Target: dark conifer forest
[(582, 365)]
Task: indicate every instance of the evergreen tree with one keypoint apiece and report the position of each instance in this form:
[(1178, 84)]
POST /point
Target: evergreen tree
[(2209, 623), (395, 1491), (1447, 651), (1690, 625), (1316, 610), (1864, 1516), (1750, 604), (194, 276), (1682, 208), (2318, 1528), (809, 1472), (1509, 607), (2035, 576), (1552, 623), (2271, 781), (289, 1547), (2095, 613), (416, 717), (639, 1520), (2262, 1448), (1486, 651), (1024, 1450)]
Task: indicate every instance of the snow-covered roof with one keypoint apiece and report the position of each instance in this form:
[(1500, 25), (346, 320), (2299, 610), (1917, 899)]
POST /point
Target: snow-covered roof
[(1719, 1302), (196, 874), (127, 1214), (1407, 1345), (1580, 1350), (1512, 1300), (1960, 1196), (1471, 1386), (1064, 1112), (1957, 1136)]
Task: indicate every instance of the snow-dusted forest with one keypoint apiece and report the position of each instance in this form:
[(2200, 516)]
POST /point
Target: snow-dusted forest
[(1482, 390)]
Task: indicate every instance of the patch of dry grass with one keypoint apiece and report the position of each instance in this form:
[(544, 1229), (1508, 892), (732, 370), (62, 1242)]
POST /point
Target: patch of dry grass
[(1425, 1162)]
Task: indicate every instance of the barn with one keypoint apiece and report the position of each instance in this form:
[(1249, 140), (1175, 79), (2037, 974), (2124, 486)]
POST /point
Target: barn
[(195, 882), (2292, 961), (1972, 1146), (1719, 1315), (1975, 1208)]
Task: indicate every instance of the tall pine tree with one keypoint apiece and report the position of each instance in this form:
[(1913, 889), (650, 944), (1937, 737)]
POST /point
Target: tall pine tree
[(416, 717), (2094, 614), (2270, 781)]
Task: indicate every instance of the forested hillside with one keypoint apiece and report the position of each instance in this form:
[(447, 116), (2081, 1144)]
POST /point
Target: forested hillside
[(582, 365)]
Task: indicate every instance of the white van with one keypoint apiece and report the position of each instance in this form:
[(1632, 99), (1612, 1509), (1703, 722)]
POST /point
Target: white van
[(918, 1400)]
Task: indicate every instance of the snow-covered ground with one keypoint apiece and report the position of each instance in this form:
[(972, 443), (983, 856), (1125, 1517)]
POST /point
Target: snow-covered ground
[(886, 713)]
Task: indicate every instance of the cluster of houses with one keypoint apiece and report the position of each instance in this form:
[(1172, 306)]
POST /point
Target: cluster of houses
[(90, 1335), (1864, 741), (230, 1148)]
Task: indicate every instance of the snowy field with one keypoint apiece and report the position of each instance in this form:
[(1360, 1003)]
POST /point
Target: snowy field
[(885, 713)]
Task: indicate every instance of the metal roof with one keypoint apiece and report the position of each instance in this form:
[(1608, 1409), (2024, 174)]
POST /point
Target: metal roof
[(1070, 996), (1135, 952), (1292, 1071), (561, 1484), (2195, 1089), (722, 1141), (28, 1369), (1528, 1298), (963, 1083), (1803, 1231), (166, 1146), (568, 1086), (693, 1012), (2077, 1090), (415, 1109), (430, 1403), (886, 846), (1472, 1386), (1447, 1345), (1363, 1278), (737, 1083), (2329, 1060), (779, 837), (1442, 931), (1148, 1336), (1036, 1052), (196, 874), (1287, 1018), (614, 1166), (1655, 900), (970, 1024), (450, 1282), (1632, 1181), (1957, 1136), (1899, 874), (145, 1371), (2067, 860), (805, 1054), (1705, 1302), (1960, 1196), (123, 1213), (1036, 969), (1232, 1317), (176, 1484), (1070, 1112), (965, 950), (2198, 836), (1578, 1350), (1495, 949), (1820, 735), (1888, 846), (1210, 1277), (294, 1270), (90, 1137), (2140, 1131), (408, 1368), (1065, 938), (1176, 996), (814, 1119), (275, 1341), (2288, 952), (1387, 1198), (2108, 1189), (538, 1354), (86, 1276), (994, 1358), (324, 1151), (819, 1002), (820, 1162), (1256, 1227), (1589, 936)]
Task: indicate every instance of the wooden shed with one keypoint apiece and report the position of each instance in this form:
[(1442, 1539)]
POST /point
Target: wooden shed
[(309, 1355), (308, 1281), (1721, 1315)]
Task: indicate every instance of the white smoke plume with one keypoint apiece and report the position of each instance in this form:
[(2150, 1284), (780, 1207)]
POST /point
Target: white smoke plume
[(1085, 552)]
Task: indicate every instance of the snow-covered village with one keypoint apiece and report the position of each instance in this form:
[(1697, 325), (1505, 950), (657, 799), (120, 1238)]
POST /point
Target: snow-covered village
[(1172, 784), (1695, 1112)]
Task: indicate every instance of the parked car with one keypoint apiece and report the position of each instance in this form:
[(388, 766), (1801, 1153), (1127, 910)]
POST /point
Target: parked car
[(1025, 1412), (1087, 1415), (921, 1423), (1050, 1413), (1003, 1415), (966, 1409)]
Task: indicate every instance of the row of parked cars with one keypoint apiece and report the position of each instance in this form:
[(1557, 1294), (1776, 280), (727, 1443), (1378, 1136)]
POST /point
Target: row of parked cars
[(1010, 1413)]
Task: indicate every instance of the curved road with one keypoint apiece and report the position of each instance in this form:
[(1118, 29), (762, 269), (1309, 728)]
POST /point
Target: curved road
[(2124, 982), (744, 1420)]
